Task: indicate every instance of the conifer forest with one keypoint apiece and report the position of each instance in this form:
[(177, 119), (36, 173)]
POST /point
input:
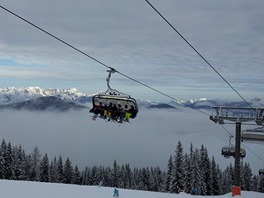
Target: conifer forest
[(192, 172)]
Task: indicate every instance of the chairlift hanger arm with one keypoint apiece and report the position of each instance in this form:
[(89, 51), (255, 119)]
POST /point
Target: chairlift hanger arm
[(109, 90), (112, 70)]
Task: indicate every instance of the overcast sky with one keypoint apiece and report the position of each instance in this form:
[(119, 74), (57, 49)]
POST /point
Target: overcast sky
[(130, 37)]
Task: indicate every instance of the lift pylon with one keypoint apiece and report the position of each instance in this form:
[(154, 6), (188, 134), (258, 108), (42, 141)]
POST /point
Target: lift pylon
[(221, 115)]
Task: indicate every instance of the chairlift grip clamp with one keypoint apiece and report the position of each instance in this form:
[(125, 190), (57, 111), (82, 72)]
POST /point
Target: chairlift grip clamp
[(111, 70)]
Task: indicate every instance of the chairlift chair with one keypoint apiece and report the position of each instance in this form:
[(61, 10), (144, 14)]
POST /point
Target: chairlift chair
[(253, 135), (112, 96), (228, 151)]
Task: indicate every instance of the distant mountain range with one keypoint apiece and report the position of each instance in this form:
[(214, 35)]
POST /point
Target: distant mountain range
[(37, 99)]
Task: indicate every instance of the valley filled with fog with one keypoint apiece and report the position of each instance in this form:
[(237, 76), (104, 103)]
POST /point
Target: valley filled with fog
[(148, 140)]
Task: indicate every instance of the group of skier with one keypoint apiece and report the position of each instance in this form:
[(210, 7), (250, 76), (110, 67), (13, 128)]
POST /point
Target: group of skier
[(113, 112)]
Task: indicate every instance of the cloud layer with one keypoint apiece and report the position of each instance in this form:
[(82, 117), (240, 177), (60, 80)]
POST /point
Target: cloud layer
[(148, 140), (132, 38)]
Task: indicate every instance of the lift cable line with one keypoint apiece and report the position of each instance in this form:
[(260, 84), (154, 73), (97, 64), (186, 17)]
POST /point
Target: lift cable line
[(162, 93), (105, 65), (250, 150), (98, 61), (239, 115), (253, 152), (230, 134), (207, 62), (55, 37)]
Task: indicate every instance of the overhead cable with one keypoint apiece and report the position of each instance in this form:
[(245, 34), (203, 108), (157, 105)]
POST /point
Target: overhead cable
[(207, 62), (55, 37), (253, 152), (96, 60), (105, 65)]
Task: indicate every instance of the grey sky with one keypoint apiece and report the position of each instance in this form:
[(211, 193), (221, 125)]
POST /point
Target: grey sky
[(132, 38)]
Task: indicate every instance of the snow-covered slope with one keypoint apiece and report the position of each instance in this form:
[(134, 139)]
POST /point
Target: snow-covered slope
[(11, 97), (25, 189)]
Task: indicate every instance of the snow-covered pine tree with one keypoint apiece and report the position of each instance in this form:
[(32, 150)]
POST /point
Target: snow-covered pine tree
[(246, 174), (29, 168), (168, 175), (261, 184), (101, 174), (230, 176), (177, 179), (93, 176), (156, 179), (152, 181), (220, 178), (228, 179), (36, 157), (206, 171), (54, 174), (123, 180), (188, 164), (18, 163), (197, 178), (160, 178), (85, 175), (44, 169), (60, 170), (107, 179), (115, 174), (76, 175), (24, 166), (2, 159), (188, 173), (144, 183), (8, 161), (51, 169), (225, 182), (128, 176), (215, 178), (68, 172), (255, 183), (136, 179)]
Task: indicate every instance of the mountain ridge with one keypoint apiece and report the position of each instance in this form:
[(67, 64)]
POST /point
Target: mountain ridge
[(36, 98), (50, 103)]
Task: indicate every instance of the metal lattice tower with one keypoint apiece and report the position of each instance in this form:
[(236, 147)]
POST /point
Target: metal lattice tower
[(221, 115)]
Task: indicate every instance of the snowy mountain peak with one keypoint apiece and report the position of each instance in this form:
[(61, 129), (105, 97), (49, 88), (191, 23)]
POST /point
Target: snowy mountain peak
[(38, 91), (12, 95), (191, 101), (202, 99), (73, 90)]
